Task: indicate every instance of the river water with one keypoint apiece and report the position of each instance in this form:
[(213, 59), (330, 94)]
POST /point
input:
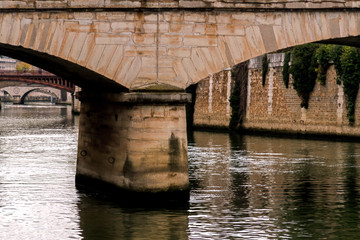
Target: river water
[(242, 187)]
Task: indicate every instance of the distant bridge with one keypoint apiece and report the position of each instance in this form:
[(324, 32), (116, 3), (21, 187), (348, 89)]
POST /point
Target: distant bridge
[(36, 77)]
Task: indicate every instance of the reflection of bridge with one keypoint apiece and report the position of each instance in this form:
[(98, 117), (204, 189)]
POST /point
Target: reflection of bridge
[(36, 77)]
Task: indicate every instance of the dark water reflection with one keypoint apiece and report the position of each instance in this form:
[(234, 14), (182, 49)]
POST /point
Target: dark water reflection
[(242, 187)]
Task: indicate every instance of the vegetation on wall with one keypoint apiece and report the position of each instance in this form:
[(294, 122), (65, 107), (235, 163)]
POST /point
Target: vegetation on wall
[(310, 63), (336, 52), (234, 104), (323, 58), (265, 68), (286, 73), (350, 68), (238, 95), (302, 69), (190, 107)]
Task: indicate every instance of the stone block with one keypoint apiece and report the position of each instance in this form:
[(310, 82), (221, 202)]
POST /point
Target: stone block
[(56, 39), (143, 38), (230, 29), (5, 29), (238, 48), (172, 17), (189, 67), (86, 49), (193, 17), (101, 27), (15, 33), (223, 18), (67, 44), (181, 73), (129, 69), (77, 46), (94, 56), (181, 28), (171, 39), (114, 62), (298, 28), (216, 64), (200, 40), (105, 58), (225, 52), (107, 39), (72, 26), (123, 26), (179, 52)]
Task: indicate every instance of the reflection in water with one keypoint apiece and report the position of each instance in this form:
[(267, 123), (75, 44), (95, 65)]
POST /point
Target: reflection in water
[(37, 197), (242, 187), (112, 221)]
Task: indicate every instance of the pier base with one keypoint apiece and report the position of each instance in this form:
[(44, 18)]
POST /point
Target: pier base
[(133, 142)]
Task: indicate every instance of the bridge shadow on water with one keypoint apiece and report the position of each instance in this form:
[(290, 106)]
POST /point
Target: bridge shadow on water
[(129, 199), (107, 213)]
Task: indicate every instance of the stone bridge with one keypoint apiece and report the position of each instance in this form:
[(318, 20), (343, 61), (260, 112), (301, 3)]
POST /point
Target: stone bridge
[(10, 78), (154, 49), (18, 93)]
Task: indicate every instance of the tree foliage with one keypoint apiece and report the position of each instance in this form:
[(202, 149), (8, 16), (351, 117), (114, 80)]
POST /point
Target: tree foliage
[(22, 66)]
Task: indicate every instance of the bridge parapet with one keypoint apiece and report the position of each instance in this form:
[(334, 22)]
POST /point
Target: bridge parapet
[(37, 77), (186, 4)]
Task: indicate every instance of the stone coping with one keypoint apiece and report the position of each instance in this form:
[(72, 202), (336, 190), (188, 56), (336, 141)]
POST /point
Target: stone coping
[(137, 97), (176, 4)]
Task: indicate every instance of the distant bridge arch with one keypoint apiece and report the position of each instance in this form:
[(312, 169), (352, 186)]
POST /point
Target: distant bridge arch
[(18, 94), (46, 91)]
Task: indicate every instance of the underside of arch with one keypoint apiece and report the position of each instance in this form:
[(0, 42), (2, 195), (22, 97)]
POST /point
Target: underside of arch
[(23, 97), (80, 76)]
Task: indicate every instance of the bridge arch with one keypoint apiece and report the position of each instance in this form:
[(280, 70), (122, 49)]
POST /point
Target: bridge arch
[(42, 90), (121, 50), (18, 94), (137, 141)]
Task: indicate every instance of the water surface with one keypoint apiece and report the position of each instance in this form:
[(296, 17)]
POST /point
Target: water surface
[(242, 187)]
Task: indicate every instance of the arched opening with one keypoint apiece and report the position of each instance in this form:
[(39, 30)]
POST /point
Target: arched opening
[(78, 75), (54, 98)]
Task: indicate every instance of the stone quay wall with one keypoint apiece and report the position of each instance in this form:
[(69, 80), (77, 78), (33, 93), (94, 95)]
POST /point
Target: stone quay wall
[(266, 4), (212, 106), (275, 108)]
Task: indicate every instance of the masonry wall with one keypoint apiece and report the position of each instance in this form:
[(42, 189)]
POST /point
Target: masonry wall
[(275, 108), (212, 106)]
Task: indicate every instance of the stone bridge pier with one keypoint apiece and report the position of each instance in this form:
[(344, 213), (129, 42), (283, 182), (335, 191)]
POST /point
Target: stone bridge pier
[(133, 142)]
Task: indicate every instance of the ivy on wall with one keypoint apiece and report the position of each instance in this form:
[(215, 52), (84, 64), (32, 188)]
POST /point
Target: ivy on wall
[(310, 62), (303, 71), (235, 104), (350, 77), (286, 73), (265, 68), (323, 57)]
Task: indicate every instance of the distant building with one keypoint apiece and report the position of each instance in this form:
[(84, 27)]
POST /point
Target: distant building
[(7, 63)]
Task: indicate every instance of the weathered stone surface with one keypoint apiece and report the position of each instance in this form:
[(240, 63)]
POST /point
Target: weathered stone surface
[(134, 141), (192, 44), (185, 4), (275, 108)]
